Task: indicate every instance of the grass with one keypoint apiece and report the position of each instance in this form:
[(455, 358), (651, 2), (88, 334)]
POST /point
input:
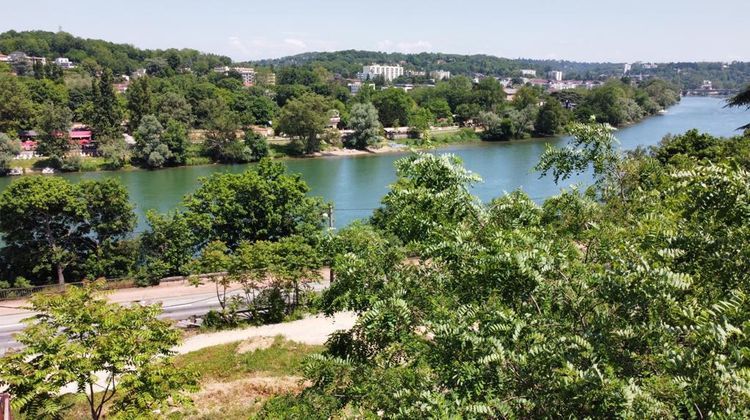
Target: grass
[(223, 363)]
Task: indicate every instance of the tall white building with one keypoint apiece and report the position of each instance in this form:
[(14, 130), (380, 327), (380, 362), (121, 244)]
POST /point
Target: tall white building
[(555, 75), (626, 68), (389, 73)]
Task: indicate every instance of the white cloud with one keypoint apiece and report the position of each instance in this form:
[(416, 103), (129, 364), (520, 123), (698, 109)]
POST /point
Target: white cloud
[(404, 46), (261, 47), (237, 44)]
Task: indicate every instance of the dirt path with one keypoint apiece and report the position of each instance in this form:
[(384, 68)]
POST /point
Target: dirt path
[(311, 330)]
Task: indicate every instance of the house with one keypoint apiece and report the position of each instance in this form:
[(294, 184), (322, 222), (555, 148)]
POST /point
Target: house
[(510, 93), (21, 57), (64, 63), (3, 58)]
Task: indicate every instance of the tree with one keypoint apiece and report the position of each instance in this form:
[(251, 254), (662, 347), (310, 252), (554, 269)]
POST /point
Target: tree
[(16, 109), (175, 137), (257, 144), (488, 94), (420, 121), (52, 226), (262, 204), (150, 149), (167, 246), (174, 106), (551, 118), (106, 119), (394, 106), (9, 149), (222, 143), (115, 151), (140, 102), (364, 121), (304, 119), (739, 100), (53, 124), (80, 338)]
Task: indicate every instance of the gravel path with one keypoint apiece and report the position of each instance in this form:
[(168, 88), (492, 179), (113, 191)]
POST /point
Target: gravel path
[(311, 330)]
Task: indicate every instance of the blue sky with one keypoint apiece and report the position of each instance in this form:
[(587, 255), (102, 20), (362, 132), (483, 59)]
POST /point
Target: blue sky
[(583, 30)]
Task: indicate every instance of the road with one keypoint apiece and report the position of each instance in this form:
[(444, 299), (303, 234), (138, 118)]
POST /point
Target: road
[(179, 301)]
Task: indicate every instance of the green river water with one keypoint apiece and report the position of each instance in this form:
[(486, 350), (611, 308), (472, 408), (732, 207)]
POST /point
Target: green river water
[(356, 184)]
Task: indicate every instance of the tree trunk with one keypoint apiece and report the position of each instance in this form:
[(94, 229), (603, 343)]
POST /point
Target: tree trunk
[(60, 276)]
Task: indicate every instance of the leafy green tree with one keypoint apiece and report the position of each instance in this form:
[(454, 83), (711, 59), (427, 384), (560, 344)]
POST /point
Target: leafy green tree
[(175, 137), (467, 112), (551, 118), (257, 144), (52, 226), (262, 204), (81, 338), (106, 118), (167, 246), (488, 94), (364, 121), (420, 121), (140, 102), (9, 149), (394, 107), (16, 109), (304, 119), (592, 144), (432, 192), (115, 151), (440, 109), (174, 106), (150, 148), (53, 124), (222, 143)]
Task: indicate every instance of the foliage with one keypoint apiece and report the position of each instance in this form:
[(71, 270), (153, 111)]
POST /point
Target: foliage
[(364, 121), (78, 337), (592, 305), (52, 227), (9, 149), (261, 204), (394, 107), (304, 119), (257, 144), (53, 124)]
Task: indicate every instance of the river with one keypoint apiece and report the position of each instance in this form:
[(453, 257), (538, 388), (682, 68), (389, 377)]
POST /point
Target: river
[(356, 184)]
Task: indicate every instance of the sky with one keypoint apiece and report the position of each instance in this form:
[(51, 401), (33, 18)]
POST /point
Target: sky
[(579, 30)]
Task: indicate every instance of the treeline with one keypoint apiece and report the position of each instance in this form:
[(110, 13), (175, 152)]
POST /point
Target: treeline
[(734, 75), (93, 54), (348, 63)]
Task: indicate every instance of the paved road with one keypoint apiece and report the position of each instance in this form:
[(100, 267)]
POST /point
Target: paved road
[(185, 303)]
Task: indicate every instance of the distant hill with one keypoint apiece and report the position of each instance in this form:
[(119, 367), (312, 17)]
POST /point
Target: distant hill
[(124, 59)]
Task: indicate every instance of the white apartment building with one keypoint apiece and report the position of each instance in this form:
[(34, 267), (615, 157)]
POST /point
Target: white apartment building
[(440, 75), (389, 73), (555, 75), (528, 72), (248, 75)]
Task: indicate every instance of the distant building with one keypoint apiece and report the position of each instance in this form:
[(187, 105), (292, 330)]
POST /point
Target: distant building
[(64, 63), (416, 73), (510, 93), (626, 68), (389, 73), (21, 57), (707, 85), (555, 75), (266, 78), (440, 75), (649, 66), (528, 72), (248, 75), (139, 73), (3, 58)]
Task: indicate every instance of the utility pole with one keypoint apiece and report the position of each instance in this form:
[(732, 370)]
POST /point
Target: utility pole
[(330, 216)]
